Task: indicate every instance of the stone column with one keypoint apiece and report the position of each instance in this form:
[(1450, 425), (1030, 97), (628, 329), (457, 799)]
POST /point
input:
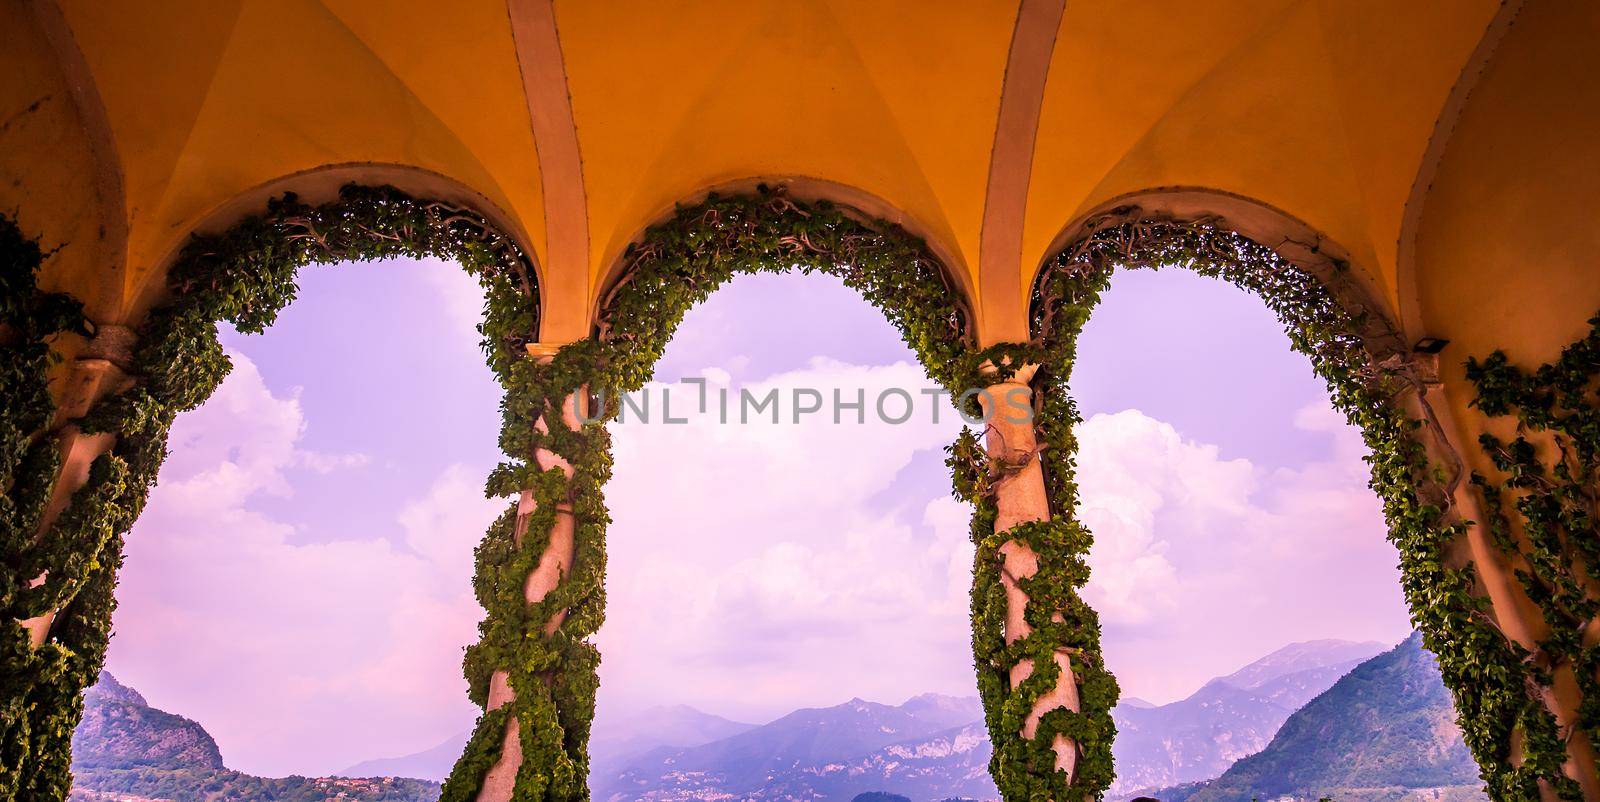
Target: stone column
[(97, 372), (554, 563), (1514, 613), (1020, 497)]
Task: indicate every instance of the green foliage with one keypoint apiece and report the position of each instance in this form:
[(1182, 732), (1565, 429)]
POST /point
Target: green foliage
[(675, 265), (680, 262), (1356, 356), (225, 784), (69, 567), (245, 276), (879, 796), (1550, 480)]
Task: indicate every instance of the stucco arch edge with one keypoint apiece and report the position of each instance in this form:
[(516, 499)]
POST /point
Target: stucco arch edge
[(319, 185), (855, 202)]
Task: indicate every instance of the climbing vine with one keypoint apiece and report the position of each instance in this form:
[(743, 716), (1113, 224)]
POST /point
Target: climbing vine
[(244, 276), (544, 646), (1550, 480), (535, 659), (58, 563), (1059, 621), (1369, 373)]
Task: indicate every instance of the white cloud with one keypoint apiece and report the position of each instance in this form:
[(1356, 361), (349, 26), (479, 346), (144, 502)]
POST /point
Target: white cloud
[(344, 649), (753, 568), (757, 568), (1199, 559), (320, 462), (1131, 467), (762, 565)]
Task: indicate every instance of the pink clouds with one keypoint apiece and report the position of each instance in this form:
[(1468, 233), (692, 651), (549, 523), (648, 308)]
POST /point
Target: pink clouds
[(1199, 560), (298, 656), (783, 581), (754, 569), (759, 566), (308, 603)]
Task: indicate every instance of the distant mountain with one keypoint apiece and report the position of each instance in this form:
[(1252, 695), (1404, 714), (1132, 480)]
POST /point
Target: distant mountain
[(126, 751), (1228, 718), (1297, 657), (1377, 735), (949, 764), (935, 747), (813, 738), (621, 735), (433, 764), (1385, 732), (120, 730), (618, 737)]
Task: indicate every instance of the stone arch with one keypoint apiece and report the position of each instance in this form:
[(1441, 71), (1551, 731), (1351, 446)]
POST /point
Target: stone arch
[(1296, 241), (857, 204), (1464, 594), (533, 671), (86, 459), (321, 185)]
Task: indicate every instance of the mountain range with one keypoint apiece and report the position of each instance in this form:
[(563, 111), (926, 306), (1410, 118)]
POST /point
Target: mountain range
[(1305, 719), (1199, 737), (124, 750), (935, 747), (619, 736), (1385, 732), (835, 752)]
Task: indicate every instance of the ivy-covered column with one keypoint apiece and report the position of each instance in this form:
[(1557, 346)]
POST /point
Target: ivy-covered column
[(70, 494), (539, 576), (95, 373), (1020, 498), (555, 561), (1036, 644), (1541, 512)]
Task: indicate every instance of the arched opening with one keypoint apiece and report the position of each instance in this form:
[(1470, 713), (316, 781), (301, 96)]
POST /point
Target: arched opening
[(1455, 586), (798, 580), (1240, 566), (299, 582), (541, 573), (83, 464)]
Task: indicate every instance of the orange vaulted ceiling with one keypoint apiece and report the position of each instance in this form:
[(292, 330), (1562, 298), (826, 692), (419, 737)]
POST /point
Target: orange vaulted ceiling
[(897, 99), (210, 98), (1322, 108), (579, 123)]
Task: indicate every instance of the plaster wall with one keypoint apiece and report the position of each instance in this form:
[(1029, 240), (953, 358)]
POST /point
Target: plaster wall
[(1508, 251), (1508, 245), (48, 166)]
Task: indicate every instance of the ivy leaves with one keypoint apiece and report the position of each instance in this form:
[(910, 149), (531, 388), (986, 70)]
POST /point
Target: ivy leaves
[(1356, 355), (245, 276), (64, 570), (1550, 482), (675, 265)]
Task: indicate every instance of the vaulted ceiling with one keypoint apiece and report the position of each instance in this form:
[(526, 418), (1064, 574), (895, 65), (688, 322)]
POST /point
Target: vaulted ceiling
[(987, 127)]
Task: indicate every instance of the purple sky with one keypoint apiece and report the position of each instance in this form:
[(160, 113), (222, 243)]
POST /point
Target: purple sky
[(299, 582)]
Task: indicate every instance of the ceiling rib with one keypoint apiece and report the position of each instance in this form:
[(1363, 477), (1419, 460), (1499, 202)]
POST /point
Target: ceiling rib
[(565, 274), (1002, 318)]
